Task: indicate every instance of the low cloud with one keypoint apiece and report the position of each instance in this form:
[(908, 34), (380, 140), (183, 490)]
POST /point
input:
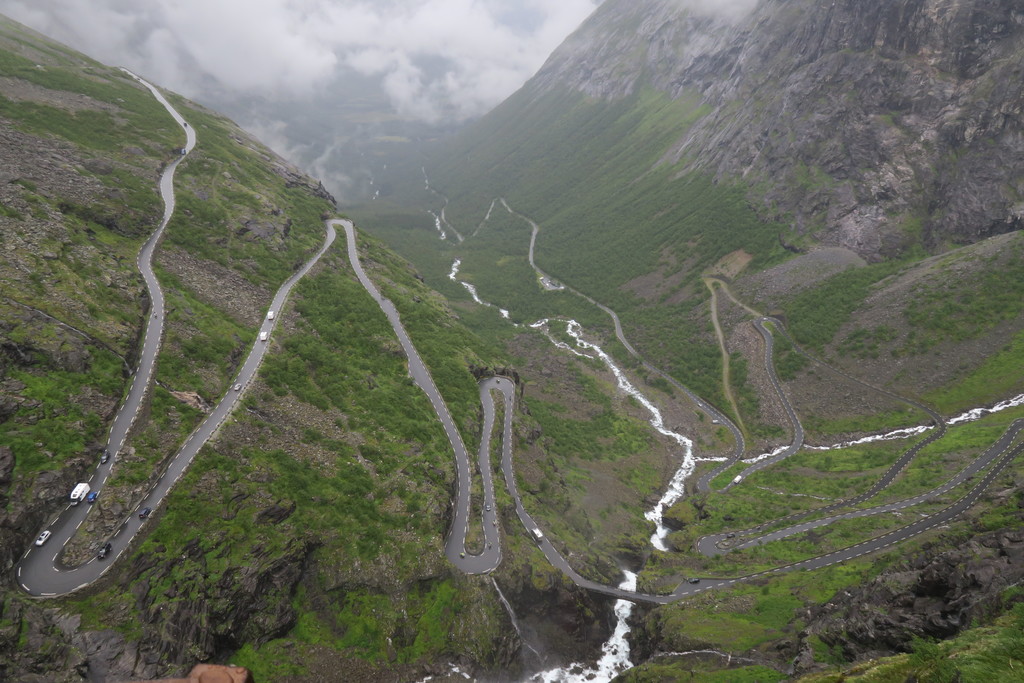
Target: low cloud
[(437, 60)]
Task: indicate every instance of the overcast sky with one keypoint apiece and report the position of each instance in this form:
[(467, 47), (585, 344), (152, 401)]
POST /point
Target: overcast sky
[(439, 60)]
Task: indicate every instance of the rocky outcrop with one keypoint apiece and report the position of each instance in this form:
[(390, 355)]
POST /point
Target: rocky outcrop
[(867, 124), (196, 621), (935, 595)]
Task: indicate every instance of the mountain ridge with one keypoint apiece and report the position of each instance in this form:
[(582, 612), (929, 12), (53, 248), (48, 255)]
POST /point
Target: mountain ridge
[(923, 74)]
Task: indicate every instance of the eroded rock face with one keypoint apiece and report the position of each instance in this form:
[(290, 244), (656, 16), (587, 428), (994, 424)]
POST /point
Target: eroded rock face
[(872, 125), (932, 596)]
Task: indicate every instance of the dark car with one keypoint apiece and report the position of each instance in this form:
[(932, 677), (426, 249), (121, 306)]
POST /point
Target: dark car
[(104, 551), (91, 498), (105, 457), (144, 513), (693, 579)]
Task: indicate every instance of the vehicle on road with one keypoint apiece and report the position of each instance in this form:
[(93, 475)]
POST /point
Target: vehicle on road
[(91, 498), (538, 534), (693, 579), (738, 479), (43, 536), (264, 335), (487, 507), (144, 513), (105, 457), (104, 551), (79, 493), (238, 387), (270, 315)]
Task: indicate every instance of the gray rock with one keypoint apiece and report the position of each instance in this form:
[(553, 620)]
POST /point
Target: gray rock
[(890, 123)]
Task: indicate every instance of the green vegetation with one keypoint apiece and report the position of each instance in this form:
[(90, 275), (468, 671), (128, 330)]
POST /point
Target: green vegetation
[(224, 185), (815, 315), (665, 669), (59, 429), (908, 416), (987, 653), (447, 347), (605, 434), (997, 375), (140, 117), (378, 501), (957, 310), (788, 361)]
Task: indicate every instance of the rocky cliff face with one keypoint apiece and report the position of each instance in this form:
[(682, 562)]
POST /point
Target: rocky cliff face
[(868, 124), (935, 595)]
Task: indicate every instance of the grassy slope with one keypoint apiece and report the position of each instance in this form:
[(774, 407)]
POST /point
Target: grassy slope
[(333, 430), (92, 234)]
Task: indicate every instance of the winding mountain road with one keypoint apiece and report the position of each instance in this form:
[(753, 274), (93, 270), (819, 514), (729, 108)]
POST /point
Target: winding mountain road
[(40, 571), (721, 543), (996, 459), (455, 545)]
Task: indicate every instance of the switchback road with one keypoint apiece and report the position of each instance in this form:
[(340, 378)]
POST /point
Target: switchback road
[(40, 572), (455, 545)]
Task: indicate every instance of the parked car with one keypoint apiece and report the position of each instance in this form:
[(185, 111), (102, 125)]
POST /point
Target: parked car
[(104, 551), (91, 498), (144, 513), (43, 536)]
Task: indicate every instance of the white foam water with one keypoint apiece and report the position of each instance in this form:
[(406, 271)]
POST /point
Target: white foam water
[(675, 489), (614, 653), (454, 277), (968, 416)]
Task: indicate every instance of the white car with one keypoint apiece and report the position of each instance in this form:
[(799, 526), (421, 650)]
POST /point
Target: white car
[(263, 336), (43, 536), (270, 315), (238, 387)]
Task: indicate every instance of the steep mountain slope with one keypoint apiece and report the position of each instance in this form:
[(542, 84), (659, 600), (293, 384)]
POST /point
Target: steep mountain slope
[(876, 126), (306, 540), (853, 168)]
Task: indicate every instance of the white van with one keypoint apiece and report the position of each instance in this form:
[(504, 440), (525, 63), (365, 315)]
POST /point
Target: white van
[(264, 335), (538, 534), (79, 493), (270, 315)]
